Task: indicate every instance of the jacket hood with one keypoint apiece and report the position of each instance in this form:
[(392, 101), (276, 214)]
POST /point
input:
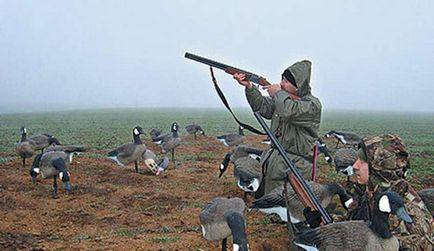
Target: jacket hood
[(301, 72)]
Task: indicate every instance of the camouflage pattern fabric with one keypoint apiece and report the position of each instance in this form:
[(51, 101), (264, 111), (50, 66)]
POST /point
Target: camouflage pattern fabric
[(387, 156), (295, 123), (388, 161)]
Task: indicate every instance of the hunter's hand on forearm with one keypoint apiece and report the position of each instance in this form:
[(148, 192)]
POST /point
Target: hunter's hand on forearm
[(272, 89), (241, 78)]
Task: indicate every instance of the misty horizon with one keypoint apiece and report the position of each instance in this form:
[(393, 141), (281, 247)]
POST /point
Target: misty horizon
[(220, 108), (106, 54)]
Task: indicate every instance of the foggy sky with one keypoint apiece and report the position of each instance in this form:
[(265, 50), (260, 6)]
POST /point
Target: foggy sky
[(78, 54)]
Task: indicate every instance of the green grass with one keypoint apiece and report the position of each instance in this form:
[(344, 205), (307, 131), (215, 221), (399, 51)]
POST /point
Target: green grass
[(265, 220), (102, 130), (166, 239), (128, 232), (81, 237)]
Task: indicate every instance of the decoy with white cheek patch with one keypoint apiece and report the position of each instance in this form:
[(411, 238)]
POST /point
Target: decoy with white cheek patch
[(247, 170), (322, 147), (52, 164), (358, 235), (129, 152), (274, 202), (172, 141), (29, 144), (223, 217)]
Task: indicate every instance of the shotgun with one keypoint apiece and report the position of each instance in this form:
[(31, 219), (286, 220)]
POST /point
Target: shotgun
[(303, 191), (228, 69)]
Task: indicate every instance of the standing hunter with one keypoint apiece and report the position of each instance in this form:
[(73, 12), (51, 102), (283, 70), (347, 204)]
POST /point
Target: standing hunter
[(295, 119)]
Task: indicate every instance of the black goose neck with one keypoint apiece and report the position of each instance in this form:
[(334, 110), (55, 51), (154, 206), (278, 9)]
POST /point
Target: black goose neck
[(175, 133), (23, 137), (226, 160), (240, 132), (380, 223), (137, 139), (236, 223), (343, 195), (254, 151), (334, 188)]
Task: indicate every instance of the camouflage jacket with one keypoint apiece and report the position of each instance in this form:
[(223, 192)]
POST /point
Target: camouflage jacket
[(295, 124)]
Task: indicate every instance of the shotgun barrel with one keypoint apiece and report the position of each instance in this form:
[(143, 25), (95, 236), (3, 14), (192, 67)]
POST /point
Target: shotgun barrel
[(227, 68), (303, 191)]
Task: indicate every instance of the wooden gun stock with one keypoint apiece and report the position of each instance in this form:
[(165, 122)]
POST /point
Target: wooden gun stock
[(301, 193)]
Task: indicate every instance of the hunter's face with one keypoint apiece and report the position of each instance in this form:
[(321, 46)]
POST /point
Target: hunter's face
[(361, 169), (287, 86)]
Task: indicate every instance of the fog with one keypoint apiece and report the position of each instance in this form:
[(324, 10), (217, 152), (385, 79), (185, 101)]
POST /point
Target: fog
[(63, 55)]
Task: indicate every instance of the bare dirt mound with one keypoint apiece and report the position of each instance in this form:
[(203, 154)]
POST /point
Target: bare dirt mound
[(113, 208)]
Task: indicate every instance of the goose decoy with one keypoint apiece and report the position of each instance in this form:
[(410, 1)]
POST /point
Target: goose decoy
[(172, 141), (239, 152), (38, 141), (248, 174), (427, 195), (322, 147), (345, 158), (358, 235), (194, 129), (156, 166), (274, 202), (222, 218), (28, 145), (232, 139), (129, 152), (247, 170), (344, 137), (70, 150), (53, 164), (155, 134), (25, 150)]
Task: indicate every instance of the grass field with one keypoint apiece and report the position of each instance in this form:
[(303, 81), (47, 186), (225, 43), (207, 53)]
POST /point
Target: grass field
[(117, 209), (105, 129)]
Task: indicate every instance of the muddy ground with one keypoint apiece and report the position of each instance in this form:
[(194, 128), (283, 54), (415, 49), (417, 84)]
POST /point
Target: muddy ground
[(113, 208)]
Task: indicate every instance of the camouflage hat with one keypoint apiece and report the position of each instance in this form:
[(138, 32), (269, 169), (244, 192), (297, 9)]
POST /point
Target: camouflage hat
[(386, 155)]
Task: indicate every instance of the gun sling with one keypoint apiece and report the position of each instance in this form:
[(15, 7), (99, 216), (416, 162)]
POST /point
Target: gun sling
[(225, 102)]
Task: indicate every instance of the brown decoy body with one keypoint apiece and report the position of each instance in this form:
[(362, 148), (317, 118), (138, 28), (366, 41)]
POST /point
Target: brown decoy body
[(194, 130), (223, 217), (54, 163), (358, 235), (27, 146), (129, 152), (232, 139)]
